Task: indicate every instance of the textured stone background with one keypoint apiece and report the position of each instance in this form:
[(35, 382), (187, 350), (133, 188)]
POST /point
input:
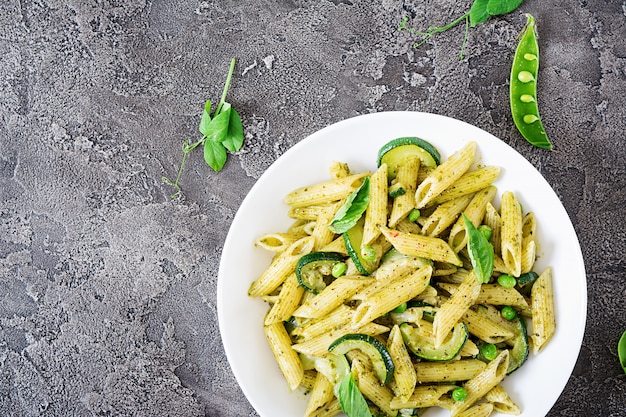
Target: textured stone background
[(108, 288)]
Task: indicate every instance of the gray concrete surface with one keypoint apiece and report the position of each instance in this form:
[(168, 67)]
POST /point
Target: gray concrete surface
[(108, 288)]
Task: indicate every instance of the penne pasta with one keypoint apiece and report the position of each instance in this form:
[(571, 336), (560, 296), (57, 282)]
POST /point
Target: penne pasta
[(287, 358), (482, 383), (453, 309), (468, 183), (376, 213), (325, 192), (423, 246), (543, 315), (444, 215), (402, 205), (404, 376), (511, 233), (321, 394), (282, 265), (288, 300), (445, 175), (461, 370), (475, 212)]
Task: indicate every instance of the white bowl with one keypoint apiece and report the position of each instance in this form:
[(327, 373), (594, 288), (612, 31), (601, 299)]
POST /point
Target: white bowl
[(535, 387)]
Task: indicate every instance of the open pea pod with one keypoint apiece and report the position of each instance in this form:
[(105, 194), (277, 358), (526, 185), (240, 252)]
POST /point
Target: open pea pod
[(523, 88)]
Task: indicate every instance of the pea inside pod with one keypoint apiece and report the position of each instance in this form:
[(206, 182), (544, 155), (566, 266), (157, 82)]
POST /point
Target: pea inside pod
[(523, 87)]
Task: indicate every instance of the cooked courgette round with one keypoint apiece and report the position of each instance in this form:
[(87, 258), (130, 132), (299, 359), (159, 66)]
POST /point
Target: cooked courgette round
[(375, 350), (396, 152), (519, 351), (423, 347), (314, 269), (353, 239)]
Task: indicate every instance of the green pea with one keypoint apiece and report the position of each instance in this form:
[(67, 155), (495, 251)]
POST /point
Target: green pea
[(525, 76), (507, 281), (368, 253), (459, 394), (485, 230), (530, 118), (339, 269), (400, 309), (508, 313), (414, 215), (489, 351), (523, 88)]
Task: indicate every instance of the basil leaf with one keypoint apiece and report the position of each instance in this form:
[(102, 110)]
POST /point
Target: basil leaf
[(234, 136), (352, 209), (480, 252), (478, 13), (214, 154), (352, 401), (206, 119), (496, 7)]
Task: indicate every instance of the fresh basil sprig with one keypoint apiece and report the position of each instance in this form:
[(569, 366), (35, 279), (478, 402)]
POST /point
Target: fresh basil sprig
[(352, 210), (350, 398), (221, 132), (480, 251), (479, 12)]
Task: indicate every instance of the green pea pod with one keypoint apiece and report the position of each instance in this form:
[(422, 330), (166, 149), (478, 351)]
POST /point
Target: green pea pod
[(523, 88), (621, 351)]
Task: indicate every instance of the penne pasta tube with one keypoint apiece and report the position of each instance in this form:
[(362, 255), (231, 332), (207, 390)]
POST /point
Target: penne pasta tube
[(332, 296), (468, 183), (318, 345), (321, 394), (501, 401), (404, 377), (511, 233), (453, 309), (484, 328), (321, 233), (307, 212), (276, 242), (493, 294), (391, 296), (370, 387), (325, 192), (445, 175), (543, 314), (479, 410), (376, 213), (493, 220), (421, 246), (402, 205), (282, 265), (451, 371), (482, 383), (287, 358), (444, 215), (475, 212), (423, 396), (287, 302)]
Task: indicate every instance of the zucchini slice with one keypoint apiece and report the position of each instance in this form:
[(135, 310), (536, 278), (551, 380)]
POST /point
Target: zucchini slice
[(519, 351), (396, 152), (396, 190), (375, 350), (423, 347), (334, 367), (353, 239), (313, 270)]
